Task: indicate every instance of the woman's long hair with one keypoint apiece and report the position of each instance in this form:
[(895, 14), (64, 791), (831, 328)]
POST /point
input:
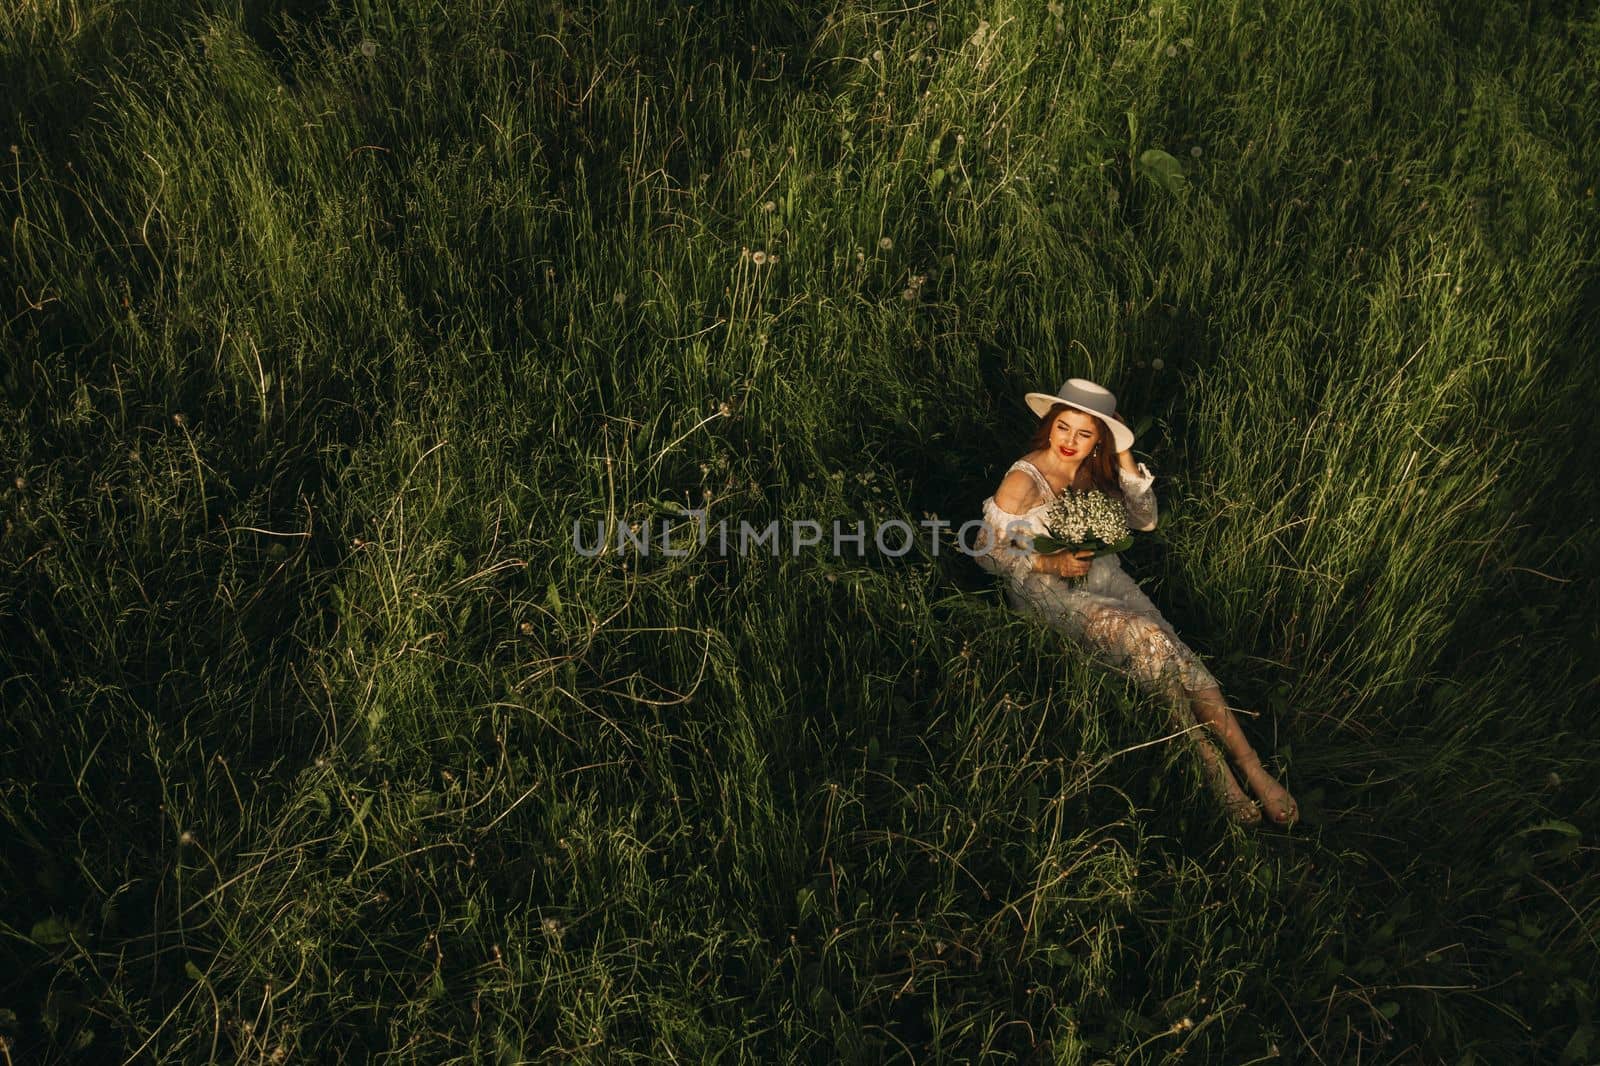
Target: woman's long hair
[(1098, 470)]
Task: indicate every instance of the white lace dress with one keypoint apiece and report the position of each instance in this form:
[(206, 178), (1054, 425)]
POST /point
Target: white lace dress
[(1105, 609)]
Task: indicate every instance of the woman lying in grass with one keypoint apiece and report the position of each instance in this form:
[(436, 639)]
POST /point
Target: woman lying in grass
[(1082, 591)]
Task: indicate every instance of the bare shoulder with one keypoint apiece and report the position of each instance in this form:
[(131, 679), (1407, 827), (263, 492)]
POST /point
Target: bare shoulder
[(1016, 493)]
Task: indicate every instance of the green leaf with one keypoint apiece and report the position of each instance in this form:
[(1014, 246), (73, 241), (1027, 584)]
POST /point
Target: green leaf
[(1389, 1008), (938, 178), (1579, 1046), (1163, 169), (1050, 545), (1553, 826), (52, 931), (193, 971)]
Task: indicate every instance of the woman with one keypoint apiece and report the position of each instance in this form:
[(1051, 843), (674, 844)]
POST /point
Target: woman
[(1081, 443)]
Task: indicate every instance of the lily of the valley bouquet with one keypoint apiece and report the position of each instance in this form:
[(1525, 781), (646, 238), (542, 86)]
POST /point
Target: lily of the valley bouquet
[(1084, 521)]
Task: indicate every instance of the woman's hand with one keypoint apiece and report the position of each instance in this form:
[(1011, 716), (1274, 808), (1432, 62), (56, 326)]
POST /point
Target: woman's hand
[(1066, 564)]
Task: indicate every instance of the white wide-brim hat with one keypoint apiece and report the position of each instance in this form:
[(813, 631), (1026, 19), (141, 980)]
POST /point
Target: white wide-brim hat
[(1090, 398)]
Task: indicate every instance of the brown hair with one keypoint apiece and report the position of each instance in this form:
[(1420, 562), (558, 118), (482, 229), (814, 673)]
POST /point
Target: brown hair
[(1098, 469)]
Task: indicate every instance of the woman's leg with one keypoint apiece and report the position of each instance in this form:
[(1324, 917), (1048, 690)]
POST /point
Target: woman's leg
[(1151, 653), (1152, 656), (1210, 708), (1235, 801)]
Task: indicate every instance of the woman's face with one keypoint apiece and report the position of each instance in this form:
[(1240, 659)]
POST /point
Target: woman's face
[(1073, 436)]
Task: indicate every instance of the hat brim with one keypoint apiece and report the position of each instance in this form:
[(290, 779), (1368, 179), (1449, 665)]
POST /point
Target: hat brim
[(1040, 402)]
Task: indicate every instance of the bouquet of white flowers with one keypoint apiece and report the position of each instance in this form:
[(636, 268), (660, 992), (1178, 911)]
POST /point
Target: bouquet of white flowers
[(1084, 521)]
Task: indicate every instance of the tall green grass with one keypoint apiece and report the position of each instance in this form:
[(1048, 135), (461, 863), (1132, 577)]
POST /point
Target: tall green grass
[(322, 741)]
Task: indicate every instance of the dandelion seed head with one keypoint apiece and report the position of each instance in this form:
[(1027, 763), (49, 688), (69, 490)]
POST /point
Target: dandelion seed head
[(885, 243), (369, 47), (759, 258), (769, 207), (1172, 50), (186, 838), (1158, 364), (1195, 151)]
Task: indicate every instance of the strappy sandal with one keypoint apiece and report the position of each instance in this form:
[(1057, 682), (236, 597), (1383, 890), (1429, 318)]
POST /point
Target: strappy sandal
[(1236, 803), (1284, 811), (1278, 802)]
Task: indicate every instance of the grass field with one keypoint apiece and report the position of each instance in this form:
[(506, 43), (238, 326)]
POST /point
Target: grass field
[(322, 741)]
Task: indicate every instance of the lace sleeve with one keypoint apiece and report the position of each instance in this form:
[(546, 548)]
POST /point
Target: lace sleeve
[(1010, 551), (1139, 498)]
